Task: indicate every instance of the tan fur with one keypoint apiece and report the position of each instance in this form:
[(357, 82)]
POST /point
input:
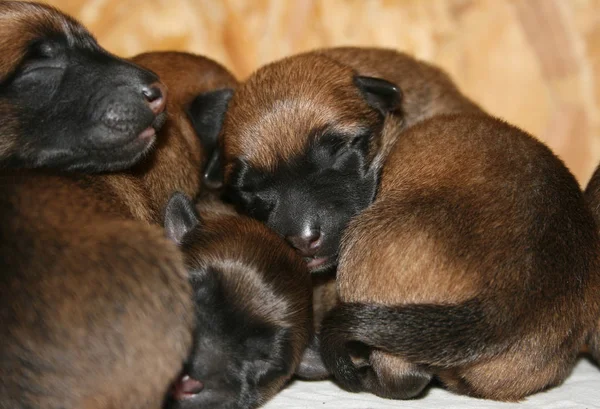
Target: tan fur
[(455, 203)]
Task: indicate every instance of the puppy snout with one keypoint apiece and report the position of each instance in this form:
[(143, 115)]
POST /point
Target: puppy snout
[(307, 243), (156, 97)]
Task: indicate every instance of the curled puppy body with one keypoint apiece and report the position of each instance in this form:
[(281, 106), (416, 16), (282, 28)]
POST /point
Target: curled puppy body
[(65, 102), (592, 195), (477, 263), (304, 138), (95, 304), (253, 307)]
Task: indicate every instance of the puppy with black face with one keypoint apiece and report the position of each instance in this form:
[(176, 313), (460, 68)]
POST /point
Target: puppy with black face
[(477, 263), (95, 305), (592, 195), (305, 137), (65, 102), (252, 295)]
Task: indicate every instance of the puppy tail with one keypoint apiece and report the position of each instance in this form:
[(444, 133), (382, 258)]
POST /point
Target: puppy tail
[(422, 334)]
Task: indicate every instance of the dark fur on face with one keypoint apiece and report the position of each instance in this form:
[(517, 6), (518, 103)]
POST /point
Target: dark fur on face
[(592, 195), (65, 102), (95, 304), (253, 307), (477, 263), (304, 138)]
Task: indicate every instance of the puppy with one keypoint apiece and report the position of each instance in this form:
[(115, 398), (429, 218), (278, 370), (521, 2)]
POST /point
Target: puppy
[(305, 137), (95, 305), (592, 194), (477, 263), (65, 102), (253, 307)]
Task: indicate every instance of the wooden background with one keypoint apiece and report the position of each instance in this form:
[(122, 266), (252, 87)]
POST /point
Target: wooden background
[(532, 62)]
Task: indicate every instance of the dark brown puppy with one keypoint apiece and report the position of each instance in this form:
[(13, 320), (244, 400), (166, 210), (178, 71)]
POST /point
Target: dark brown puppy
[(592, 195), (95, 304), (305, 137), (65, 102), (253, 307), (476, 263)]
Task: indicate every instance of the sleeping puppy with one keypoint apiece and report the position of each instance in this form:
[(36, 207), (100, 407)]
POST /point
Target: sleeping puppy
[(592, 194), (477, 263), (253, 307), (304, 138), (65, 102), (95, 304)]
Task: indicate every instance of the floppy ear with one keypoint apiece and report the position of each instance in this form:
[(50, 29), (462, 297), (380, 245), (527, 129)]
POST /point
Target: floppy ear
[(312, 367), (207, 112), (180, 217), (379, 93)]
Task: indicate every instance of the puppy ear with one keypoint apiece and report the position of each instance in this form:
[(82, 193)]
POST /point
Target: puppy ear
[(207, 112), (312, 367), (379, 93), (180, 217), (214, 175)]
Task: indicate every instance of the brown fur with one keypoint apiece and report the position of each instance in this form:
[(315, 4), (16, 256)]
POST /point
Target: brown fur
[(470, 208), (592, 194), (259, 288), (96, 306), (324, 297), (145, 189), (315, 90), (278, 112), (28, 20), (274, 286)]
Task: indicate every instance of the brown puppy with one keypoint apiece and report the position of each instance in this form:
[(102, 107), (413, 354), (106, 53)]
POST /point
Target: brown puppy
[(477, 263), (95, 304), (305, 137), (304, 140), (592, 194), (65, 102), (253, 307)]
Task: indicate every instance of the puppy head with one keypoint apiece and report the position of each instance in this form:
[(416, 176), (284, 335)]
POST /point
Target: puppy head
[(253, 308), (65, 102), (300, 139)]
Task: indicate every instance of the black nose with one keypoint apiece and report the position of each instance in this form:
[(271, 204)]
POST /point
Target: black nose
[(307, 244), (156, 97)]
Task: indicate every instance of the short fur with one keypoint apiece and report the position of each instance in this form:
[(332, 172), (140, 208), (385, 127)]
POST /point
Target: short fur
[(95, 305), (592, 194), (253, 307), (304, 138), (477, 263), (65, 102)]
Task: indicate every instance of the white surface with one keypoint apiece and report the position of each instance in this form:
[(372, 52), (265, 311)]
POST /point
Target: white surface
[(580, 391)]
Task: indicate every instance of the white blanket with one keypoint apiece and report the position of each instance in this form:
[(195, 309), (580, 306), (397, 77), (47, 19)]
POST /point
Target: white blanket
[(580, 391)]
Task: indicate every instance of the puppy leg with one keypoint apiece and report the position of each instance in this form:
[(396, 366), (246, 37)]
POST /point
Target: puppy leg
[(392, 377), (509, 377)]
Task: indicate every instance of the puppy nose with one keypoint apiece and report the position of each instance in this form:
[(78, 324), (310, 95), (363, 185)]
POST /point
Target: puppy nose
[(156, 97), (307, 243)]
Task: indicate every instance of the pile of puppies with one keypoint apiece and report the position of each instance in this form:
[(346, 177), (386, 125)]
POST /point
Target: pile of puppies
[(171, 238)]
